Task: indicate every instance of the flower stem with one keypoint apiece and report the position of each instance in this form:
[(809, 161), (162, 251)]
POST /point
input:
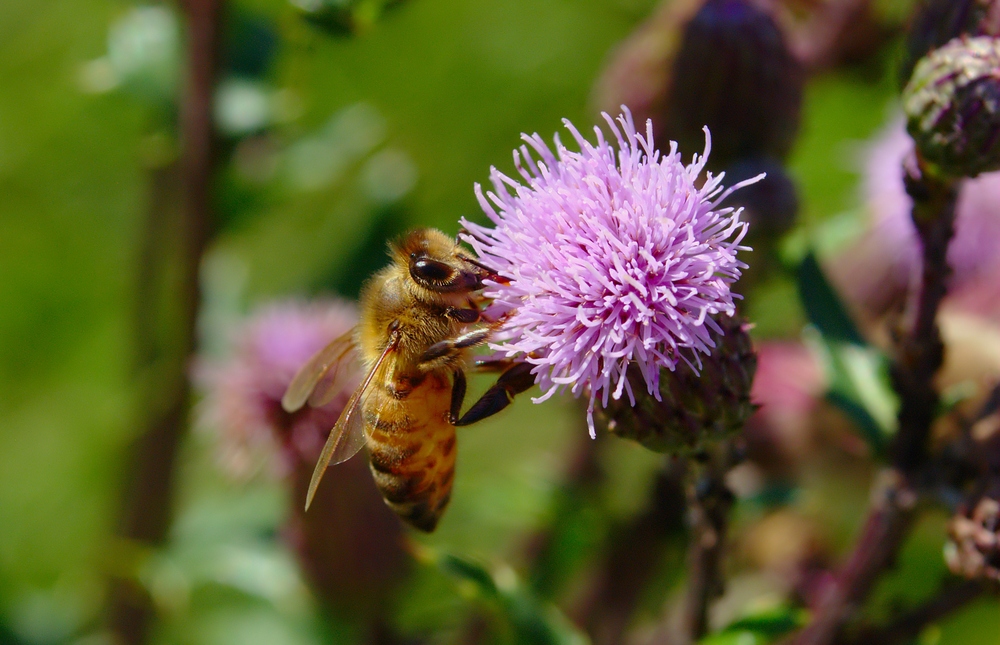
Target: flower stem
[(919, 355), (921, 352), (146, 507), (907, 627), (710, 502)]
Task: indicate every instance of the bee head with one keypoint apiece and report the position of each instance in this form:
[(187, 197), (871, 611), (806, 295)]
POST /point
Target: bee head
[(436, 262)]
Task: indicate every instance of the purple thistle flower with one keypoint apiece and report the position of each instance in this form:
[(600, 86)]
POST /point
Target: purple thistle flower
[(350, 544), (243, 393), (610, 255)]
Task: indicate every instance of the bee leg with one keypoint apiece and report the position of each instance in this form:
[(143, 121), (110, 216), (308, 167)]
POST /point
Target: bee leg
[(457, 396), (486, 364), (453, 345), (463, 315), (515, 380)]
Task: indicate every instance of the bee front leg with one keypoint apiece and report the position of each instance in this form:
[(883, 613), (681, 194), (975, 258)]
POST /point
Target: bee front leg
[(467, 316), (452, 346), (515, 380)]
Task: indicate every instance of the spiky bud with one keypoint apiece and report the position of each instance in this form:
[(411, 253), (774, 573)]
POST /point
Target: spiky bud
[(938, 21), (973, 547), (952, 105), (734, 73), (696, 408)]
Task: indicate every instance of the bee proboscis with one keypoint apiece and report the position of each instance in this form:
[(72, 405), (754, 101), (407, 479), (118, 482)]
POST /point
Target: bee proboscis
[(420, 318)]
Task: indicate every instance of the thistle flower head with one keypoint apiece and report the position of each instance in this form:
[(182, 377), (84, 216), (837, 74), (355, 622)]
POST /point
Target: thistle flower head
[(612, 255)]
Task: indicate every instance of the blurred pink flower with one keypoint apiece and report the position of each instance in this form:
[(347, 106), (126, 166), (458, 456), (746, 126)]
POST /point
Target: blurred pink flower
[(878, 271), (788, 386), (612, 255), (243, 393), (350, 545)]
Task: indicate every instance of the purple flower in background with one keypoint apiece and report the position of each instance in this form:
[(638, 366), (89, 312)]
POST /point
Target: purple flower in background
[(350, 544), (610, 255), (881, 267), (243, 393)]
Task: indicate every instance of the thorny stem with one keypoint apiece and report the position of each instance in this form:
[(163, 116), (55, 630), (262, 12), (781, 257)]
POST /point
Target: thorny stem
[(145, 515), (710, 502), (908, 626), (921, 352), (919, 355), (886, 526)]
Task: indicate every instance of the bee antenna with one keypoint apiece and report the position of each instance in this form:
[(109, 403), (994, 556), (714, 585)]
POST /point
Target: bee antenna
[(479, 264)]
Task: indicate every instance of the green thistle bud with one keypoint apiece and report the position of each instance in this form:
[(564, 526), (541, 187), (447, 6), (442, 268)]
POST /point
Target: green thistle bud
[(695, 409), (952, 105), (938, 21), (734, 73)]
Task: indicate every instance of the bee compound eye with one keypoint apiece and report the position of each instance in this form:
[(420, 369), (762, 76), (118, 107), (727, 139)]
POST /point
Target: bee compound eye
[(431, 270)]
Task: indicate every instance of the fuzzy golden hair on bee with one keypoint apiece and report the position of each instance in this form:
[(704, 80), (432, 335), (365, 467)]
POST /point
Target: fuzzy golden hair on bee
[(424, 241), (421, 316)]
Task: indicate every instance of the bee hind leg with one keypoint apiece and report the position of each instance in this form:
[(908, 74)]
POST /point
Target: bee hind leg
[(467, 316), (512, 382), (458, 385)]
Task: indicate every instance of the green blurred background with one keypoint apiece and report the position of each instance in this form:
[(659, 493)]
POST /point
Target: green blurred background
[(366, 136)]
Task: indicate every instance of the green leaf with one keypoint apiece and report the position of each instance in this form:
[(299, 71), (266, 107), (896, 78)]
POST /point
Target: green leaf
[(822, 304), (469, 571), (760, 627), (860, 386), (532, 621), (344, 17), (773, 621)]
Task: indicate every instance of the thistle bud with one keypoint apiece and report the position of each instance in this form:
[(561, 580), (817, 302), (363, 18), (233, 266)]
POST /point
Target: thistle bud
[(938, 21), (638, 71), (695, 408), (952, 105), (770, 204), (973, 547), (734, 73)]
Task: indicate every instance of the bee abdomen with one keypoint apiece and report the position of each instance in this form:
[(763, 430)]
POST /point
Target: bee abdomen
[(414, 470)]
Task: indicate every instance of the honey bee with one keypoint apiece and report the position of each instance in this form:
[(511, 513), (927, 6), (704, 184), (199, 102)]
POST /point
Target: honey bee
[(415, 335)]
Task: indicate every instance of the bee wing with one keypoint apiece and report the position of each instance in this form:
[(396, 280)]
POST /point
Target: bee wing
[(321, 372), (348, 434), (344, 370)]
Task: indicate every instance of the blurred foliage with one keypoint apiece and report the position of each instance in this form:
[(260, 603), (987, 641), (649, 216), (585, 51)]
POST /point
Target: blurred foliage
[(333, 144), (528, 620), (756, 628), (857, 373)]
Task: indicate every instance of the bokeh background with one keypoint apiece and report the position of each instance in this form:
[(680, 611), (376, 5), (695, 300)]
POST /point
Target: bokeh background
[(331, 141)]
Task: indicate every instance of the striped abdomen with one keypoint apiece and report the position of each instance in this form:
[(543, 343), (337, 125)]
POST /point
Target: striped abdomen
[(412, 449)]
